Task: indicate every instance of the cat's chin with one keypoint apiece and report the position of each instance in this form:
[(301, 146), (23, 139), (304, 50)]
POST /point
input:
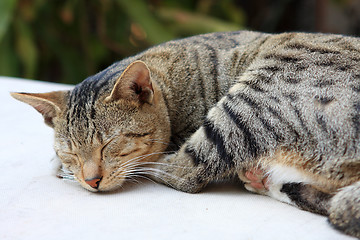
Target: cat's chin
[(104, 188), (87, 187)]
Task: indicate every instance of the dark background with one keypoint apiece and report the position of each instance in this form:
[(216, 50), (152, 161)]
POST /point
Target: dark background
[(68, 40)]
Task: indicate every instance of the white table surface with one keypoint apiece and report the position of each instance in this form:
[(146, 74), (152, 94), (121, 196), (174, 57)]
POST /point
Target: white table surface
[(37, 205)]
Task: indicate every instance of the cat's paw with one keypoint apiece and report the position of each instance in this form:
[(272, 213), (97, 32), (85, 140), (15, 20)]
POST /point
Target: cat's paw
[(255, 180), (269, 183)]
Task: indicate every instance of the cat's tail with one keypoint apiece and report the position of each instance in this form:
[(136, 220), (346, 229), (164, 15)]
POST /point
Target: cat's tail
[(344, 212)]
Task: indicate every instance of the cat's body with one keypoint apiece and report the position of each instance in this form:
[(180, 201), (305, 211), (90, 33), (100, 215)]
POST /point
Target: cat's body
[(286, 105)]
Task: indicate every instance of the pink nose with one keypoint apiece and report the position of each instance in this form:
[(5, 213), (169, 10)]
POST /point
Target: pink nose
[(94, 182)]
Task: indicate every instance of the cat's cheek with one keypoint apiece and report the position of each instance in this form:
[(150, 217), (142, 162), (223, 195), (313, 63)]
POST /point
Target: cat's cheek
[(110, 183), (78, 176)]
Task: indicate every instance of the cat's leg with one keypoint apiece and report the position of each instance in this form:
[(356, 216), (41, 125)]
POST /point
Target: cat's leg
[(203, 158), (343, 208), (179, 172), (211, 154), (344, 211), (307, 197), (259, 181), (194, 166)]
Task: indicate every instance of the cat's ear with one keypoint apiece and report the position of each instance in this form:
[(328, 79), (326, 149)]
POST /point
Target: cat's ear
[(134, 85), (48, 104)]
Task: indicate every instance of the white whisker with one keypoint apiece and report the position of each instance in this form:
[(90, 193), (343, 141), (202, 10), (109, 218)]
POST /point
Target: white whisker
[(131, 163), (165, 164), (133, 179), (156, 173), (144, 177)]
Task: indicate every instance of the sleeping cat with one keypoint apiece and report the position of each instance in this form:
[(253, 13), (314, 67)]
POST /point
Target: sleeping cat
[(281, 112)]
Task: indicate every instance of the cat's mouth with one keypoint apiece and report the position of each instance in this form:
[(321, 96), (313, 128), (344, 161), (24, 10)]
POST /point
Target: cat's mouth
[(101, 183)]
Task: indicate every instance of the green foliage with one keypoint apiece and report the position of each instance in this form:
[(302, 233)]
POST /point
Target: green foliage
[(8, 65), (6, 12), (66, 41)]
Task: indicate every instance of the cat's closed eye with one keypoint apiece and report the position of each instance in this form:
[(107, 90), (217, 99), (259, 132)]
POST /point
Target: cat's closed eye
[(68, 158), (124, 145), (137, 135)]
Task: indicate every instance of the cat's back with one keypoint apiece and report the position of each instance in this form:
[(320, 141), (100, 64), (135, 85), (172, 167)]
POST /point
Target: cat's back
[(195, 72), (303, 92), (308, 72)]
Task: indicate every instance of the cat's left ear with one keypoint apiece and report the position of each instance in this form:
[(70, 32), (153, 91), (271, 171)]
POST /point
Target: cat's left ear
[(134, 85), (49, 104)]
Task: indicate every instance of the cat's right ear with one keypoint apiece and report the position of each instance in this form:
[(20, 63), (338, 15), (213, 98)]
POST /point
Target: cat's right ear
[(49, 104), (133, 85)]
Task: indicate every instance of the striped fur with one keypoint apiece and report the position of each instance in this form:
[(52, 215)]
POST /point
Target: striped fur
[(226, 103)]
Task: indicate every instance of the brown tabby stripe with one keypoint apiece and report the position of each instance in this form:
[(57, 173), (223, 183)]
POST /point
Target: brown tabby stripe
[(201, 83), (271, 69), (254, 86), (272, 130), (181, 55), (196, 158), (321, 121), (248, 56), (214, 70), (311, 49), (356, 120), (162, 55), (283, 58), (283, 122), (324, 100), (214, 136), (249, 139), (321, 83), (307, 133), (347, 46), (334, 40), (78, 103)]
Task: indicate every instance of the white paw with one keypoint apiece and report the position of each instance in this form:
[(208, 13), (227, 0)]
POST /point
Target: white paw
[(267, 183)]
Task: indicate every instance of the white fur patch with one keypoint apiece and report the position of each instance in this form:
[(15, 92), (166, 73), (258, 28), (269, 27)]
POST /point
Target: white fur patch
[(279, 175), (274, 192)]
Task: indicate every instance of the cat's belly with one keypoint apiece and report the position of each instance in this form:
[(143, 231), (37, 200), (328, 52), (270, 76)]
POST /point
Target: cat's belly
[(289, 166), (271, 173)]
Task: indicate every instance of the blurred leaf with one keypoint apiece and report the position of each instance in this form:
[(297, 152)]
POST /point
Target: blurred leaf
[(234, 13), (26, 48), (6, 13), (139, 12), (72, 64), (193, 23), (65, 41), (340, 2), (9, 65)]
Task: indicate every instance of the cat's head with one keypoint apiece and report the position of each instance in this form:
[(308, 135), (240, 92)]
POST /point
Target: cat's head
[(106, 136)]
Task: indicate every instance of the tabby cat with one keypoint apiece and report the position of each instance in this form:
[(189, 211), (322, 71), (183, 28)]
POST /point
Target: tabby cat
[(281, 112)]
